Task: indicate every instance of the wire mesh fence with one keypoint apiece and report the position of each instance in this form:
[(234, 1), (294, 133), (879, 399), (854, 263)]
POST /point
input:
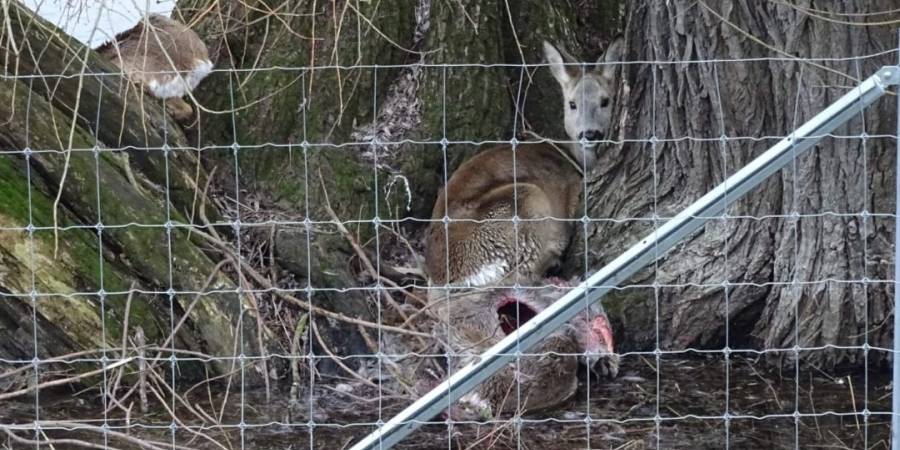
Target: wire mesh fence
[(258, 275)]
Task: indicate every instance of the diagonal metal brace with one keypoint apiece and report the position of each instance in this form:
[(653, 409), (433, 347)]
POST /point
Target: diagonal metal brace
[(648, 249)]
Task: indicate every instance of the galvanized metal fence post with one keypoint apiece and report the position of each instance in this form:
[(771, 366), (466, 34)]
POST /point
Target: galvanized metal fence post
[(895, 392), (648, 249)]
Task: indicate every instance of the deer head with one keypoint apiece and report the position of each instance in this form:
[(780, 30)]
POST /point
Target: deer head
[(587, 98)]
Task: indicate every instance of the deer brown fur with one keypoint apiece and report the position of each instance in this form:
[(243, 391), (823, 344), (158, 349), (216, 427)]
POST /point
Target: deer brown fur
[(484, 253), (163, 55), (546, 375), (472, 240)]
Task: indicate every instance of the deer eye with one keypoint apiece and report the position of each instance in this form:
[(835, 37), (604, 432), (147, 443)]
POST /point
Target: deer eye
[(572, 105), (604, 102)]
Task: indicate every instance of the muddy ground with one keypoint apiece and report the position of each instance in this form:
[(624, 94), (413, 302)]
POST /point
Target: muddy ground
[(692, 403)]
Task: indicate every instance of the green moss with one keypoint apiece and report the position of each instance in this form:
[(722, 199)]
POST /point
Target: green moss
[(97, 189), (76, 267), (319, 106), (126, 251), (14, 193)]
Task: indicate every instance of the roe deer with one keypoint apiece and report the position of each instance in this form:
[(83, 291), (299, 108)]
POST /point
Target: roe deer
[(481, 246), (164, 56), (547, 374)]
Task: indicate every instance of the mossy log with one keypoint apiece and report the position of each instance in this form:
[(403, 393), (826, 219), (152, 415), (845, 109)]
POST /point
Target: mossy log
[(110, 224), (116, 112)]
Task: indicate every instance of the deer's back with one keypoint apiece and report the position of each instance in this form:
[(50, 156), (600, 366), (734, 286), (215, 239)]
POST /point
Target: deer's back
[(156, 54), (481, 245), (540, 165)]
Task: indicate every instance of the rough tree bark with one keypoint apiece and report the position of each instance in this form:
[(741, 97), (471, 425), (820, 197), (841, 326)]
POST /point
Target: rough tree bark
[(306, 92), (60, 111), (687, 107), (390, 110), (275, 111)]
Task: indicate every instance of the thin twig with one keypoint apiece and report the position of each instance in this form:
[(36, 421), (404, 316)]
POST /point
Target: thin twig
[(63, 381), (373, 347), (54, 442), (118, 377), (357, 249), (159, 381), (260, 279), (68, 149), (295, 361), (853, 402), (337, 360), (80, 426), (140, 340)]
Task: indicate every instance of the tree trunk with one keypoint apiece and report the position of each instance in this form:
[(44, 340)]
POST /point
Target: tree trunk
[(292, 121), (339, 117), (113, 207), (331, 110), (760, 250)]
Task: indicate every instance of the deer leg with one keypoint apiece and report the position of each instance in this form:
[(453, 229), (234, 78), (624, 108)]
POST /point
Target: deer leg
[(179, 109)]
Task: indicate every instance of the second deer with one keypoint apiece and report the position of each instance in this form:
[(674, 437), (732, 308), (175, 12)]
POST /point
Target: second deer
[(473, 239), (543, 377), (165, 56)]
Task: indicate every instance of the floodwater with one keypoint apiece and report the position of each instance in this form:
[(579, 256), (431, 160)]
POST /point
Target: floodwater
[(691, 406)]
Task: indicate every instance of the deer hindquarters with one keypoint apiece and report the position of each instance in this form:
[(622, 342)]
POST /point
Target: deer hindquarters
[(512, 231)]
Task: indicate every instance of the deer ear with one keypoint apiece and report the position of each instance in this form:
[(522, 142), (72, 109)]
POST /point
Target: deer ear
[(614, 53), (557, 61)]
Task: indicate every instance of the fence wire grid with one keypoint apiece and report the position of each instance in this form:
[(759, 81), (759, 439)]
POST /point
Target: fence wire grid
[(238, 343)]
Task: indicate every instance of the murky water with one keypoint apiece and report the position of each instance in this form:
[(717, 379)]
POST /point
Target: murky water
[(691, 406)]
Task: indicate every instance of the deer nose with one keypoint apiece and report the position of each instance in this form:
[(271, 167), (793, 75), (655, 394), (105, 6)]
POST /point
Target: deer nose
[(591, 135)]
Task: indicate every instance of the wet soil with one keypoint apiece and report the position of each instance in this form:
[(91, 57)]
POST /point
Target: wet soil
[(694, 394)]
